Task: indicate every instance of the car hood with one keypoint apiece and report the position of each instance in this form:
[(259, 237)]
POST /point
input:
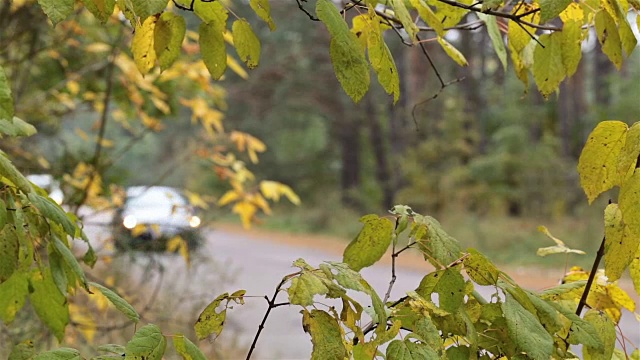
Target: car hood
[(160, 215)]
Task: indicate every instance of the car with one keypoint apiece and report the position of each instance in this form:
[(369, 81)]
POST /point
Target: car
[(49, 184), (151, 215)]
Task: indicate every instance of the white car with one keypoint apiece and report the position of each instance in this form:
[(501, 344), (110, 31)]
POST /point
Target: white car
[(153, 214)]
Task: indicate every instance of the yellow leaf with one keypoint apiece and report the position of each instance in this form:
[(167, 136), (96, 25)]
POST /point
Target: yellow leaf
[(229, 197), (620, 297), (73, 87), (634, 270), (177, 243), (97, 47), (452, 52), (429, 17), (246, 43), (620, 245), (598, 163), (81, 315), (246, 211), (138, 230), (559, 248), (609, 37), (273, 190), (573, 12), (144, 54), (520, 35), (196, 200), (261, 203), (236, 67)]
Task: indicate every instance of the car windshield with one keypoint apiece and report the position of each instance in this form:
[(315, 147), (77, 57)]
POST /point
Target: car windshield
[(154, 197)]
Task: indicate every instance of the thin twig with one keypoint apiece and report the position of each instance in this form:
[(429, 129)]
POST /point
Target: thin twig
[(313, 18), (272, 305)]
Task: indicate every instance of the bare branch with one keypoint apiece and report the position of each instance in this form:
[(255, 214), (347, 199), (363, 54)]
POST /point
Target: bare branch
[(313, 18)]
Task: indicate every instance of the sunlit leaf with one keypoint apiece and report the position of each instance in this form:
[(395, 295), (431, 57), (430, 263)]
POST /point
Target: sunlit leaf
[(559, 248), (246, 210), (262, 8), (212, 49), (548, 68), (57, 10), (520, 35), (187, 349), (211, 321), (609, 37), (620, 245), (142, 45), (347, 56), (598, 163), (148, 343), (453, 53), (121, 304), (480, 269), (325, 335), (167, 38), (246, 43), (370, 244)]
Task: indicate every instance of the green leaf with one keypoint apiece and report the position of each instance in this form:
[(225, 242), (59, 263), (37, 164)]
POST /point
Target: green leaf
[(213, 13), (54, 212), (436, 243), (50, 305), (144, 54), (57, 10), (101, 9), (609, 37), (370, 244), (382, 61), (58, 271), (345, 276), (210, 320), (629, 199), (71, 261), (148, 343), (407, 350), (13, 295), (548, 69), (9, 171), (403, 15), (9, 251), (549, 9), (452, 52), (112, 348), (607, 331), (496, 37), (16, 127), (347, 56), (23, 351), (212, 49), (246, 43), (448, 283), (145, 8), (6, 99), (325, 335), (526, 331), (480, 269), (187, 349), (304, 287), (121, 304), (167, 38), (548, 315), (59, 354), (582, 332), (559, 248), (262, 8), (426, 329), (598, 163), (620, 245)]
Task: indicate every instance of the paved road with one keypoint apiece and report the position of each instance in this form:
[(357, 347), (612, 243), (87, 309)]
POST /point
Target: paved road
[(257, 264)]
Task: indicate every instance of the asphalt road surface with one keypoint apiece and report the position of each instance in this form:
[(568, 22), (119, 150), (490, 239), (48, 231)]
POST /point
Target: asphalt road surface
[(256, 262)]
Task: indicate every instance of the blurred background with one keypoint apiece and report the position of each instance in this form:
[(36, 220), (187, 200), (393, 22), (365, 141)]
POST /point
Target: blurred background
[(489, 157)]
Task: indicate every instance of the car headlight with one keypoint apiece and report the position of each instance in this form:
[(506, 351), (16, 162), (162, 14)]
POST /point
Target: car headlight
[(129, 222), (194, 221)]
